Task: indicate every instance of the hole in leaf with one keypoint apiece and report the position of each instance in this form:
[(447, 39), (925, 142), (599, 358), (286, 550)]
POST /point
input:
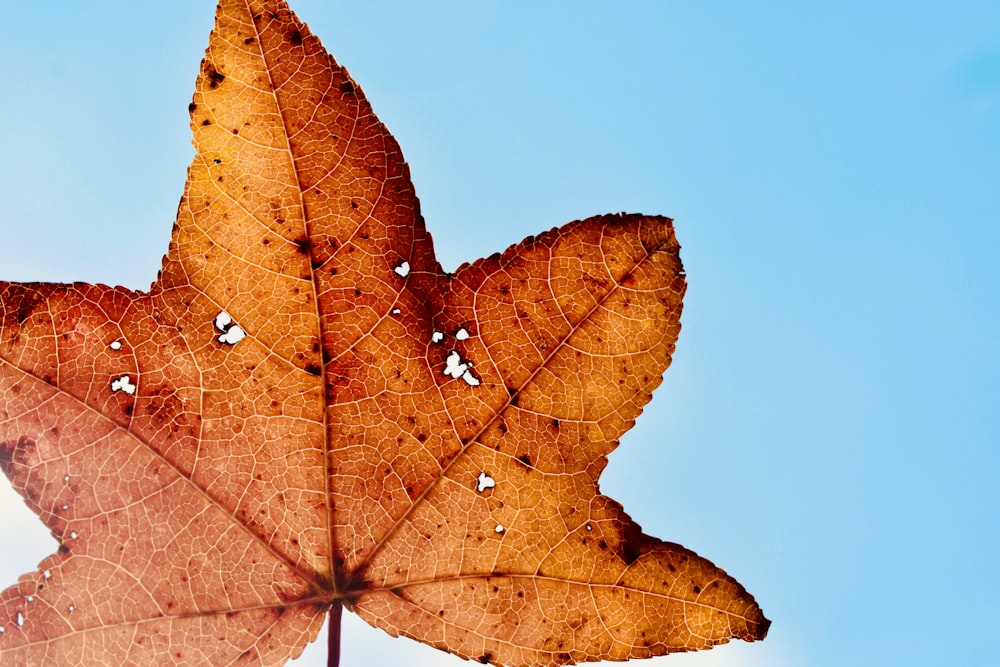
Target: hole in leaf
[(484, 482), (454, 366), (123, 384), (232, 333), (233, 336)]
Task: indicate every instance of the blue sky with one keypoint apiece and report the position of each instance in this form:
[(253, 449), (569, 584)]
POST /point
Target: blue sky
[(829, 431)]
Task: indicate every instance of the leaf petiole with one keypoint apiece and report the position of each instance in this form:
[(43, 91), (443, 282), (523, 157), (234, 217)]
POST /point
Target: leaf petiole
[(333, 636)]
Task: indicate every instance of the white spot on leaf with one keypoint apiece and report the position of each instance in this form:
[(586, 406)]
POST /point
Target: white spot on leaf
[(116, 345), (437, 337), (223, 320), (124, 383), (454, 366), (231, 333), (484, 482), (462, 334), (402, 270), (233, 336)]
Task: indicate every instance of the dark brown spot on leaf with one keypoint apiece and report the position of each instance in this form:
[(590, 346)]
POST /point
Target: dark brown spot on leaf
[(215, 77)]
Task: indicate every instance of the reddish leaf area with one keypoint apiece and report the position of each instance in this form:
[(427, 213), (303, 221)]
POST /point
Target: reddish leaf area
[(304, 412)]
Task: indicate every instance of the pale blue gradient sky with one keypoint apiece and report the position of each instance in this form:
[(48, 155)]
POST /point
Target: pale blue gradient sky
[(830, 429)]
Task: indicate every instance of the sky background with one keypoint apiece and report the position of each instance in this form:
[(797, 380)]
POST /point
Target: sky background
[(829, 431)]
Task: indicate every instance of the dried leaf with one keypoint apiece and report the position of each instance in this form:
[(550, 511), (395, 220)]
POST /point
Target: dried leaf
[(305, 412)]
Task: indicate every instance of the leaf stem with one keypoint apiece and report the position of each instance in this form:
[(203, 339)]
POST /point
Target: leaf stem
[(333, 636)]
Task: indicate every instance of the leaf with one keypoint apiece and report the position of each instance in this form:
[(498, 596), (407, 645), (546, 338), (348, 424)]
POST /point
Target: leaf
[(304, 412)]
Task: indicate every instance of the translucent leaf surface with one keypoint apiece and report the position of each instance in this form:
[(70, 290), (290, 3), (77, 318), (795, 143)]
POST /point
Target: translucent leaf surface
[(305, 413)]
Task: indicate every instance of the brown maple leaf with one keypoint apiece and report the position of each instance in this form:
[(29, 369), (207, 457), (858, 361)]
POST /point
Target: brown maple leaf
[(304, 412)]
